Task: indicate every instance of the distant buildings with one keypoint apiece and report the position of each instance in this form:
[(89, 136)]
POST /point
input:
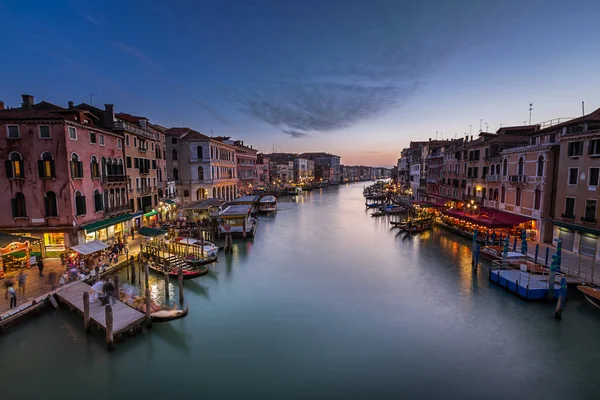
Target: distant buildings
[(327, 166)]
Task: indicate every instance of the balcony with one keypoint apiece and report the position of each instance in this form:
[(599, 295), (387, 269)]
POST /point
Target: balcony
[(117, 209), (492, 178), (490, 203), (145, 190), (590, 220), (516, 178), (568, 216), (142, 150), (535, 179), (144, 171), (114, 178), (121, 125)]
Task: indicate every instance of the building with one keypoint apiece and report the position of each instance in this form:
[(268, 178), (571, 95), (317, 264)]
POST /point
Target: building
[(577, 176), (327, 166), (262, 169), (304, 170), (201, 166), (281, 167), (64, 177), (246, 165)]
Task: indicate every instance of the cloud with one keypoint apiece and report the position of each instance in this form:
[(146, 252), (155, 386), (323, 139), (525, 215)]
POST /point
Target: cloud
[(135, 52), (211, 111), (294, 134), (92, 19)]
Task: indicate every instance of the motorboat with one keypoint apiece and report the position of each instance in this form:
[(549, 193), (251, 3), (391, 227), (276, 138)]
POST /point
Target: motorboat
[(294, 191), (268, 204), (591, 293)]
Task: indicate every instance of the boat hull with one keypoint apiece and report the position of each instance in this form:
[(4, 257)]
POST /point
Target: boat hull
[(591, 295), (168, 315), (187, 274)]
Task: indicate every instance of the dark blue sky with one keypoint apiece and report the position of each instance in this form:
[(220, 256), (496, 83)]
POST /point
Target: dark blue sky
[(359, 78)]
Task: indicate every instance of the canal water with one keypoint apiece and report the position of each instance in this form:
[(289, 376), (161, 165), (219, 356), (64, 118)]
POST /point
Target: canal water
[(326, 302)]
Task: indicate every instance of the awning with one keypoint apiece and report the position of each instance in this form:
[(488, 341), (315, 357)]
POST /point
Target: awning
[(7, 238), (137, 214), (105, 223), (151, 232), (169, 201), (578, 228), (151, 213), (89, 247)]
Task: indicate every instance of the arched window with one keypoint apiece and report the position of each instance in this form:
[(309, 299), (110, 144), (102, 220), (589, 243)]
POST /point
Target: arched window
[(521, 167), (505, 167), (105, 199), (174, 155), (14, 165), (497, 169), (80, 208), (491, 195), (111, 198), (18, 206), (46, 165), (200, 173), (493, 170), (103, 166), (537, 198), (95, 167), (50, 205), (175, 174), (76, 166), (502, 194), (474, 191), (518, 198), (483, 193), (495, 194), (540, 166), (123, 196), (199, 151), (109, 166), (120, 168), (98, 204), (214, 189)]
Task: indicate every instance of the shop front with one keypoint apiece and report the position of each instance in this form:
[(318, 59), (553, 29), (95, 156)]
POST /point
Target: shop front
[(15, 252), (151, 218), (578, 239), (108, 230)]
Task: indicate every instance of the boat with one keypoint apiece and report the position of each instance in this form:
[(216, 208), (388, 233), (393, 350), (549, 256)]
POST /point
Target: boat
[(236, 219), (157, 313), (513, 259), (188, 271), (294, 191), (267, 205), (591, 293), (372, 205), (210, 250), (378, 214), (168, 315)]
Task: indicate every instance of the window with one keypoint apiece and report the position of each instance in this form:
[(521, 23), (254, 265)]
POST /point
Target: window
[(505, 167), (127, 140), (72, 133), (594, 174), (79, 204), (493, 169), (102, 140), (174, 154), (199, 151), (540, 166), (50, 205), (152, 146), (173, 140), (552, 138), (128, 161), (521, 167), (95, 167), (186, 193), (119, 144), (44, 131), (518, 198), (76, 167), (484, 172), (18, 206), (575, 149), (569, 207), (590, 210), (46, 165), (92, 137), (136, 162), (175, 174), (12, 132), (594, 147), (14, 166), (134, 142), (503, 194), (477, 153), (537, 199), (153, 164), (573, 173), (137, 183), (98, 206), (475, 172), (200, 173)]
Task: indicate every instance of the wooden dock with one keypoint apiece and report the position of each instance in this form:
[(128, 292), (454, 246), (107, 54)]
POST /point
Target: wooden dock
[(125, 318)]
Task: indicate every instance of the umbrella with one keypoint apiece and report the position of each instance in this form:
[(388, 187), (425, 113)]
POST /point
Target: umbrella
[(515, 244), (524, 242)]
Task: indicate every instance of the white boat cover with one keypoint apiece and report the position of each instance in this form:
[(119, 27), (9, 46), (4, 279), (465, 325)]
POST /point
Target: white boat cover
[(89, 247)]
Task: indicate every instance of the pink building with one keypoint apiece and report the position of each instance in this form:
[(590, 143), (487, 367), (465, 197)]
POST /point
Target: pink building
[(63, 174)]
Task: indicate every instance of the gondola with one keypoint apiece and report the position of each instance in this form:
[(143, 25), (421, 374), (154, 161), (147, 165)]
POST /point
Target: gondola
[(417, 229), (188, 272)]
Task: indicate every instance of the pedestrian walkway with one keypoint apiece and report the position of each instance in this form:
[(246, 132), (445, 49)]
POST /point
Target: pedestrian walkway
[(37, 286)]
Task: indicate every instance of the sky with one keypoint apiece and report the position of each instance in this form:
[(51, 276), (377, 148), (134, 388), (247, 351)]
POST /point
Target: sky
[(357, 78)]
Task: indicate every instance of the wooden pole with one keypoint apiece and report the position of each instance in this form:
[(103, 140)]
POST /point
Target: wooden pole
[(110, 339), (167, 282), (86, 311), (244, 228), (97, 274), (132, 267), (117, 288), (148, 318), (202, 244), (180, 278), (560, 304)]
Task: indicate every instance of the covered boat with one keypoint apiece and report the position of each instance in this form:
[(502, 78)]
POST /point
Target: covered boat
[(267, 204)]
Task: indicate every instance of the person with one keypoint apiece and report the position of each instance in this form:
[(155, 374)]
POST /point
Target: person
[(132, 235), (52, 279), (73, 273), (22, 280), (81, 265), (109, 291), (12, 295), (96, 289), (40, 265)]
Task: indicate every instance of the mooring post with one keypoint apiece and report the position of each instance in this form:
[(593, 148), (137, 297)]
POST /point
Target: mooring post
[(551, 277), (132, 267), (167, 283), (86, 311), (244, 229), (476, 259), (148, 318), (562, 297), (117, 288), (110, 339), (202, 244), (180, 278)]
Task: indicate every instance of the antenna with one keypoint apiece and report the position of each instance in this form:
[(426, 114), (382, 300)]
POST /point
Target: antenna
[(91, 101), (530, 109)]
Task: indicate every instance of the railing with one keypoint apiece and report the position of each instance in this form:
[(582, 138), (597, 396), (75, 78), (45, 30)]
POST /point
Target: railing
[(114, 178), (490, 203), (567, 216), (142, 149), (535, 179), (491, 178), (121, 125), (516, 178), (589, 219), (144, 171), (554, 121), (144, 190), (117, 209)]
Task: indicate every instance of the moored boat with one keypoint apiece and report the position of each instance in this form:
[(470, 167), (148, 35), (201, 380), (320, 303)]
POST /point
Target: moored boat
[(210, 250), (591, 293), (188, 272), (267, 204), (294, 191)]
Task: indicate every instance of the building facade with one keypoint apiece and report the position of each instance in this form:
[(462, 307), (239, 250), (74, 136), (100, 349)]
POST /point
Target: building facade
[(262, 169), (304, 170), (246, 165), (327, 166)]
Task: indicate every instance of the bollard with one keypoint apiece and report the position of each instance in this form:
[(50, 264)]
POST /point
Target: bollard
[(180, 278), (86, 311), (117, 288), (167, 283), (562, 297), (110, 339), (132, 267), (148, 317)]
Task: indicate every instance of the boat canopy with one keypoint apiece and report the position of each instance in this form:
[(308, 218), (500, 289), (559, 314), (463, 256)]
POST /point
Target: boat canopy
[(236, 210), (246, 199)]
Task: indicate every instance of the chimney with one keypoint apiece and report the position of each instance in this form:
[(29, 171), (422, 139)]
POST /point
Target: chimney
[(27, 101), (109, 116), (471, 138), (71, 104), (1, 105), (143, 123)]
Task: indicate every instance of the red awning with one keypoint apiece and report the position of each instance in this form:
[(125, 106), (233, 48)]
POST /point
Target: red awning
[(483, 220), (513, 219)]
